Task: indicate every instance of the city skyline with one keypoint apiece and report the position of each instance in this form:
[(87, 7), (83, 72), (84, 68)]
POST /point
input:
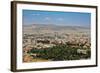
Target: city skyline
[(56, 18)]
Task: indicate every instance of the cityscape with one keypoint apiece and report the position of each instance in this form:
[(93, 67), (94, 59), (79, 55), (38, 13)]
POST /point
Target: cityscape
[(56, 36)]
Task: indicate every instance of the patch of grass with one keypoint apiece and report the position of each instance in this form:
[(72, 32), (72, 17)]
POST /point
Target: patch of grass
[(39, 60)]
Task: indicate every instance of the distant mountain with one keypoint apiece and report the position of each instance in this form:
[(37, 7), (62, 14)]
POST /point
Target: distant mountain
[(53, 28)]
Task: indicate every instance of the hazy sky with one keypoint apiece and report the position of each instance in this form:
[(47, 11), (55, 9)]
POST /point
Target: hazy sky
[(56, 18)]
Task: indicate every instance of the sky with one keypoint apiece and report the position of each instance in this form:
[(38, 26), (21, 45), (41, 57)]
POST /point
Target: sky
[(56, 18)]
